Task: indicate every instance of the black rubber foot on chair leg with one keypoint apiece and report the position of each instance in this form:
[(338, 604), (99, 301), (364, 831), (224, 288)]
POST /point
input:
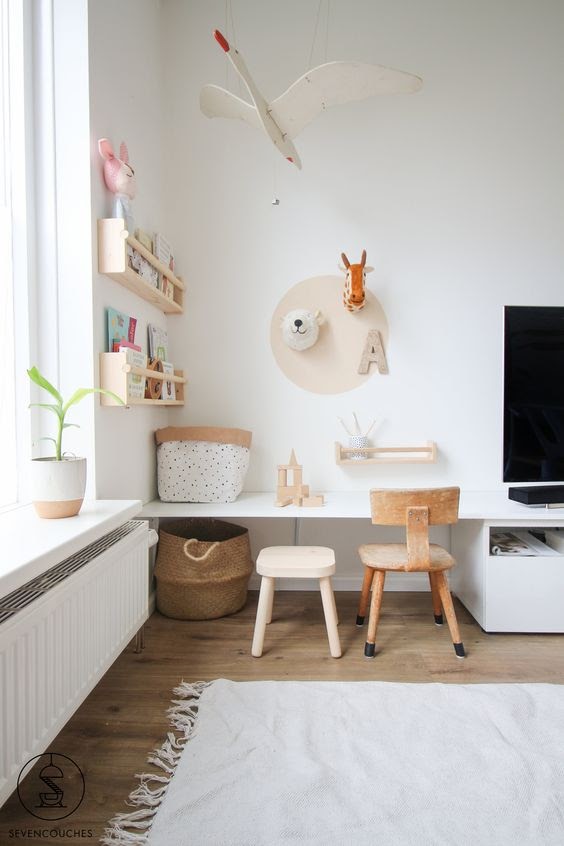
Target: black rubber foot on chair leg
[(439, 619), (359, 620), (459, 649), (369, 650)]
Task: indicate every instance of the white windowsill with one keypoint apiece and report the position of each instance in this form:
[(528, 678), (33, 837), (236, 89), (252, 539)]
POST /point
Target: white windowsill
[(30, 545)]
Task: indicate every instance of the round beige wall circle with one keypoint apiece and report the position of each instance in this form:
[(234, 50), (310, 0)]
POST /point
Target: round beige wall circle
[(331, 365)]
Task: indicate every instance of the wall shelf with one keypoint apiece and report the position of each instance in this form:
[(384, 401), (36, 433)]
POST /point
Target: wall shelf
[(381, 455), (113, 239), (114, 376)]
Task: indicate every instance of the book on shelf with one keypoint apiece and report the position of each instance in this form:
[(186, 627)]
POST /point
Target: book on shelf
[(162, 249), (158, 342), (121, 327), (517, 542), (169, 388), (117, 344), (166, 286), (145, 239), (142, 267), (135, 383)]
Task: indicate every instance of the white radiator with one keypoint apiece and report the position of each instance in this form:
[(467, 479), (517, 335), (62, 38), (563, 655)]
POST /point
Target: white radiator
[(59, 634)]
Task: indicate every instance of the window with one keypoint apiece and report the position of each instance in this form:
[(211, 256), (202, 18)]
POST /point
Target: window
[(8, 469)]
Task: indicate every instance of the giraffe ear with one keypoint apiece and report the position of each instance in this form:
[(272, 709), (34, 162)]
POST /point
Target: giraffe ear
[(368, 269), (344, 269)]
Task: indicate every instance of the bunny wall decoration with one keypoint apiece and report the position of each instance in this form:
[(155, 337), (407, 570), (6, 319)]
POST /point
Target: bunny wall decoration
[(119, 177)]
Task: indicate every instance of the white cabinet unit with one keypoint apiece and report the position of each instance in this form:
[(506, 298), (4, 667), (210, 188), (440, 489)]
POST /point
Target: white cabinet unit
[(508, 593)]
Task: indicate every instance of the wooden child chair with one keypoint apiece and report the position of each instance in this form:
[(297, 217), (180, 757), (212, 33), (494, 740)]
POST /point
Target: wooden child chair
[(417, 510)]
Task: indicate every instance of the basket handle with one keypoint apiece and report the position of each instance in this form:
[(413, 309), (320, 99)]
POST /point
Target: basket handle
[(198, 557)]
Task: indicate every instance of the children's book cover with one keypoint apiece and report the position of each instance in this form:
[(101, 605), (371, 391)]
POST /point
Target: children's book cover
[(121, 327)]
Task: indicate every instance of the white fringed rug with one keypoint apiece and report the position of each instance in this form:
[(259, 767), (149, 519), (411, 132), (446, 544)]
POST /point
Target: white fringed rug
[(354, 763)]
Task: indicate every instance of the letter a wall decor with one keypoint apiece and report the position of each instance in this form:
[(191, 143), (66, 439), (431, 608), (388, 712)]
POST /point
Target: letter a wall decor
[(373, 352)]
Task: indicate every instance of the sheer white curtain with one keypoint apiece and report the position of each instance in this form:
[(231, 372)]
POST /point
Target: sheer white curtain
[(8, 464)]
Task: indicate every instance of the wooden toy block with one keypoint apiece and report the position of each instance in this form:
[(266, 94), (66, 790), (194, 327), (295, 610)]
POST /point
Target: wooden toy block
[(284, 491), (313, 501), (297, 492)]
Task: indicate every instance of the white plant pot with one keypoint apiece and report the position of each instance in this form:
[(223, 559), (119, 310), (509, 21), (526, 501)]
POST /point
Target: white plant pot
[(57, 487)]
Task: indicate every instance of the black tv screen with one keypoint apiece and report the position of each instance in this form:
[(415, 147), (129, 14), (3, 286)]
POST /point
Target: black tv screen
[(533, 421)]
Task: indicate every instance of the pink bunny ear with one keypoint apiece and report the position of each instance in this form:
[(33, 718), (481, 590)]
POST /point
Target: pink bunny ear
[(105, 149), (123, 154)]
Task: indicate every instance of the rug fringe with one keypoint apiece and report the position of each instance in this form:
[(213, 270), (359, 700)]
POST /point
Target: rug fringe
[(152, 787)]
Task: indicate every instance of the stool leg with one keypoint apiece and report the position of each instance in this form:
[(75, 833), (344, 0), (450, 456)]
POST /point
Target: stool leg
[(363, 602), (436, 597), (446, 599), (375, 604), (269, 609), (330, 611), (264, 606)]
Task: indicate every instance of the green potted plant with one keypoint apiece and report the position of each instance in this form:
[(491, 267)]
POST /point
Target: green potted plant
[(58, 482)]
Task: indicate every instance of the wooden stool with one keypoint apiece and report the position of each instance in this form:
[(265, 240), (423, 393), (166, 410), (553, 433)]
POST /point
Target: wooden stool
[(296, 562)]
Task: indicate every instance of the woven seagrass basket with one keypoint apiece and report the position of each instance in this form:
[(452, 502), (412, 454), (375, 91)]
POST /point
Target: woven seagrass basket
[(203, 569)]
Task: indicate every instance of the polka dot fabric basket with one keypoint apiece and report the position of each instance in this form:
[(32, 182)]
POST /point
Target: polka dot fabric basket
[(201, 463)]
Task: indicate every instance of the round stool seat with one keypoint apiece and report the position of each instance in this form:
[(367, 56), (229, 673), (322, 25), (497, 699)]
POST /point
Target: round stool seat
[(296, 562)]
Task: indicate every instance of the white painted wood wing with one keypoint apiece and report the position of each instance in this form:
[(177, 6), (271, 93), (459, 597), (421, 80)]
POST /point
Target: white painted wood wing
[(335, 83)]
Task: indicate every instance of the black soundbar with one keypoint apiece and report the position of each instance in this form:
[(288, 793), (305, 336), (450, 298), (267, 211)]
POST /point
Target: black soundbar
[(538, 494)]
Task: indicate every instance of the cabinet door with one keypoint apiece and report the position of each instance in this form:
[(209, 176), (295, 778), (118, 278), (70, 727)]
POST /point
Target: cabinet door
[(524, 593)]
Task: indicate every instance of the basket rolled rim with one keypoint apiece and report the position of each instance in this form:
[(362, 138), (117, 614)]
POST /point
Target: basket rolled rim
[(194, 527), (213, 434)]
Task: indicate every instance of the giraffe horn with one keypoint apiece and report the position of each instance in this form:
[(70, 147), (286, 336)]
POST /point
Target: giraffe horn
[(363, 259), (346, 262)]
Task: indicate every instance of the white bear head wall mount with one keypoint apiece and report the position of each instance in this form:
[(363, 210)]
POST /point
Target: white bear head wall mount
[(300, 328)]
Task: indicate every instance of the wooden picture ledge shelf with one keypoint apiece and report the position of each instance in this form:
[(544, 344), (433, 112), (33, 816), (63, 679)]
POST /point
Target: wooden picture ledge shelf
[(114, 372), (380, 455), (113, 239)]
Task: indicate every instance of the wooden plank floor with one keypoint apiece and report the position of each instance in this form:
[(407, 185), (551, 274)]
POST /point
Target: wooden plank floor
[(125, 716)]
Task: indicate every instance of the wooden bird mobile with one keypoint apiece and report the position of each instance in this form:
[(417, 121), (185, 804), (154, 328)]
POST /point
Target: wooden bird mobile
[(318, 89)]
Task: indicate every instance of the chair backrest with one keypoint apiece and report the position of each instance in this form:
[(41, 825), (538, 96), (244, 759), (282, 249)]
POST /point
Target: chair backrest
[(389, 506), (416, 509)]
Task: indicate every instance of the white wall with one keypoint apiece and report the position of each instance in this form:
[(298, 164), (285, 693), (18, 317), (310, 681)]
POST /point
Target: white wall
[(126, 104), (455, 192)]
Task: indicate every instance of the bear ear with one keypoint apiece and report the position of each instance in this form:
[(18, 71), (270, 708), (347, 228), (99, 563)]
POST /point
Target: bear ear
[(320, 317)]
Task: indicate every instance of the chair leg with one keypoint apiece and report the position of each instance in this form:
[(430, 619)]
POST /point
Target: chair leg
[(330, 612), (437, 609), (446, 599), (264, 608), (363, 602), (375, 605)]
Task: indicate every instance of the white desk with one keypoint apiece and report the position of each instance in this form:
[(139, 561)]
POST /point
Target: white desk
[(503, 593), (474, 505)]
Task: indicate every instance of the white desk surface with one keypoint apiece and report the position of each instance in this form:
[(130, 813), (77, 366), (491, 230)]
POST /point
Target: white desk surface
[(474, 505), (31, 545)]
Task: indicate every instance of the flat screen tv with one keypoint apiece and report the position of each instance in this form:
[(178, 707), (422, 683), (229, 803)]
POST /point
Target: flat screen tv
[(533, 420)]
